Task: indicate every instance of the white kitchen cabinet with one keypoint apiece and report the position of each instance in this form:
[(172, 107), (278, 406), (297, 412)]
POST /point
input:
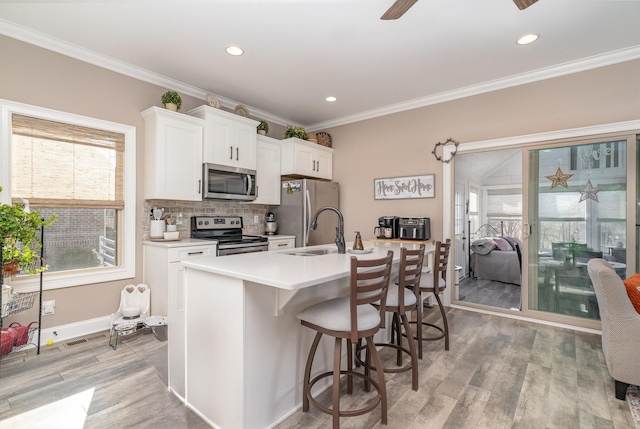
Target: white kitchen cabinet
[(173, 155), (305, 159), (268, 171), (229, 139), (163, 273), (281, 242)]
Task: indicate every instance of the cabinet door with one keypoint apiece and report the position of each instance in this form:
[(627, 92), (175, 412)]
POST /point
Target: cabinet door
[(245, 147), (220, 135), (305, 160), (324, 164), (268, 173), (173, 167)]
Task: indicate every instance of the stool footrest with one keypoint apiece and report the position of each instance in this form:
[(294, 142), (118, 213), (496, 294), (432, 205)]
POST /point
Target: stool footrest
[(349, 413)]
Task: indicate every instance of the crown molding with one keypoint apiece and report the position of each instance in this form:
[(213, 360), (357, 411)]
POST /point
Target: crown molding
[(32, 37), (56, 45), (589, 63)]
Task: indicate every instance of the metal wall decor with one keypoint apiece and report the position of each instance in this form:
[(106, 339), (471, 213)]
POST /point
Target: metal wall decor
[(404, 187), (435, 149)]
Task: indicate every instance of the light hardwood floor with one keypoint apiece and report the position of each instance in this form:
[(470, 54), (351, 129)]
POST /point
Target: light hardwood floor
[(499, 373)]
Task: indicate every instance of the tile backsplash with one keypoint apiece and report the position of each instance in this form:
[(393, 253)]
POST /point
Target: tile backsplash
[(212, 208)]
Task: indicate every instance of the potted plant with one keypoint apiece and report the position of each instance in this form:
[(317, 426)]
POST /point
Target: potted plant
[(298, 132), (263, 128), (171, 100), (19, 235)]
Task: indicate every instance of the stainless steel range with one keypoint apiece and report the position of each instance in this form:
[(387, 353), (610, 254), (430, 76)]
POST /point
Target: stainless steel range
[(227, 230)]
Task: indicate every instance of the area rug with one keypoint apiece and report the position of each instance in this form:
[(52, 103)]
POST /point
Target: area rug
[(633, 399)]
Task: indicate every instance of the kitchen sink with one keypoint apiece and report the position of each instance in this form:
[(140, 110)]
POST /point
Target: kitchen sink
[(311, 252)]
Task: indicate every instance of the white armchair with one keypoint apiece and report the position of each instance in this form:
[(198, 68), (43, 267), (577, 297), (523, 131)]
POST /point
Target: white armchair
[(620, 326)]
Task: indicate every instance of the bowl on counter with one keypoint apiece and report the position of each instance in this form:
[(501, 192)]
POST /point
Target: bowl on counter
[(171, 235)]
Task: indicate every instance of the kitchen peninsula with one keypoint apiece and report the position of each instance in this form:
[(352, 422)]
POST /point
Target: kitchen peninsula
[(245, 348)]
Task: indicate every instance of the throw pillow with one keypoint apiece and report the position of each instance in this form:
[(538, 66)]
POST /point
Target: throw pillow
[(502, 244), (632, 283)]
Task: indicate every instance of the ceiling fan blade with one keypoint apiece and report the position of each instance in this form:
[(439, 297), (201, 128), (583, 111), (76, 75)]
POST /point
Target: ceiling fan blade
[(523, 4), (398, 9)]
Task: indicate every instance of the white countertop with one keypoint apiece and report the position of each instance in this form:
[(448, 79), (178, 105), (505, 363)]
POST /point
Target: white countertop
[(282, 270)]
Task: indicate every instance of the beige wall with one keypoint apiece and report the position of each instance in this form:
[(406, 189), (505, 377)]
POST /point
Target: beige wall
[(390, 146), (401, 144)]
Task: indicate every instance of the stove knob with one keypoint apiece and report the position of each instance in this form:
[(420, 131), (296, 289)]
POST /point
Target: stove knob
[(206, 222)]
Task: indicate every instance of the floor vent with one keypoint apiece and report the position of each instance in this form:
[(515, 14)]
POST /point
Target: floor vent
[(86, 340)]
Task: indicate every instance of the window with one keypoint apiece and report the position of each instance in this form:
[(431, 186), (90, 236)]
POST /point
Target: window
[(75, 167), (504, 210)]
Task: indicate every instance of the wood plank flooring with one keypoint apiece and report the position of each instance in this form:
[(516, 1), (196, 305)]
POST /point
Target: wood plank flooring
[(499, 373), (489, 292)]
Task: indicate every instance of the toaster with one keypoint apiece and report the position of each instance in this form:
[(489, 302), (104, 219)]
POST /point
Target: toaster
[(414, 228)]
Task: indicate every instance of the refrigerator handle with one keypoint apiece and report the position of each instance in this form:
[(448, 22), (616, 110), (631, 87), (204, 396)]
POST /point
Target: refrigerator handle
[(306, 238)]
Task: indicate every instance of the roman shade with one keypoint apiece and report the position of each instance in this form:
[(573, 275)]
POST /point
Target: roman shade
[(61, 165)]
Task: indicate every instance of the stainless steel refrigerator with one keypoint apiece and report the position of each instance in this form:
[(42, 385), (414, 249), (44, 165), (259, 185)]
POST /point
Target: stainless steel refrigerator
[(299, 201)]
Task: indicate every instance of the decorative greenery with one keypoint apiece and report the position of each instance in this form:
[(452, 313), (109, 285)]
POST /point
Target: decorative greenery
[(263, 126), (171, 97), (19, 235), (298, 132)]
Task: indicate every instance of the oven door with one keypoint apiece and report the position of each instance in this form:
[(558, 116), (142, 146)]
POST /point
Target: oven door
[(235, 249), (222, 182)]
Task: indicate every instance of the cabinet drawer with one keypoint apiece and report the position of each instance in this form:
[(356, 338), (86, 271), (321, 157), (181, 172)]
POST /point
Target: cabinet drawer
[(282, 244), (183, 253)]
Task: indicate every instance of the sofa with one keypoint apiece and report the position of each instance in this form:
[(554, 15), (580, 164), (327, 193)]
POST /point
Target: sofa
[(620, 326)]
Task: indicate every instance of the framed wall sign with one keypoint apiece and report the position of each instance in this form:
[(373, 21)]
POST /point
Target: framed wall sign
[(404, 187)]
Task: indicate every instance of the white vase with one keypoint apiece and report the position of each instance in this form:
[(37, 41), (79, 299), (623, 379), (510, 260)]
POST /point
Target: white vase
[(171, 106)]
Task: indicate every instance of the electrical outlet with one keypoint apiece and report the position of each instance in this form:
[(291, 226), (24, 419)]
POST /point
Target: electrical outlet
[(48, 307), (256, 219), (179, 220)]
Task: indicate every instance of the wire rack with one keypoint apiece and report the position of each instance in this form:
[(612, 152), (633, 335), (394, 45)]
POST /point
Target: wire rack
[(18, 302)]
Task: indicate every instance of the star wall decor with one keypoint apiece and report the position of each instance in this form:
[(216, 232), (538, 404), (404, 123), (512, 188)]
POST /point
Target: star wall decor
[(589, 192), (559, 179)]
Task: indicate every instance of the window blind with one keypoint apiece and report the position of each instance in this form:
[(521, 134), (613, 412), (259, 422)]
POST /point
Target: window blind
[(61, 165)]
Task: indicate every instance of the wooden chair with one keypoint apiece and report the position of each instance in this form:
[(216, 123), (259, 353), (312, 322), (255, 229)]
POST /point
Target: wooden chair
[(435, 283), (402, 299), (351, 318), (573, 282)]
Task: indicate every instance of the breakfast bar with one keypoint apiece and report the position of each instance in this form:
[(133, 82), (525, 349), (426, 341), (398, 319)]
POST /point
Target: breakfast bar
[(245, 348)]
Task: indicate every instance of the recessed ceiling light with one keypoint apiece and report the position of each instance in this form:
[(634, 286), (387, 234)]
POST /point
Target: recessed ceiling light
[(234, 50), (331, 99), (527, 38)]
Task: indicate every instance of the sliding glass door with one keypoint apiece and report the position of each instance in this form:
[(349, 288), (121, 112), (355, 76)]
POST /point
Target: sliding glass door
[(576, 210)]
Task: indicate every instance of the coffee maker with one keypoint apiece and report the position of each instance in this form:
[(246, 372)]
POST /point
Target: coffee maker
[(387, 227)]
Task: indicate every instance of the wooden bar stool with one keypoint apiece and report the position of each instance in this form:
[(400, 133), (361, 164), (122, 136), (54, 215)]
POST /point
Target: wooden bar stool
[(351, 318), (401, 299), (434, 283)]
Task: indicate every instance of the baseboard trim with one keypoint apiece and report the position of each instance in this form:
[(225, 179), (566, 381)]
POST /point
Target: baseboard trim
[(74, 330)]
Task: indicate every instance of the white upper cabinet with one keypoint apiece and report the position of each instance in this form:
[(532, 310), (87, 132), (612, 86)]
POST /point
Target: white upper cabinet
[(268, 171), (303, 158), (173, 155), (229, 139)]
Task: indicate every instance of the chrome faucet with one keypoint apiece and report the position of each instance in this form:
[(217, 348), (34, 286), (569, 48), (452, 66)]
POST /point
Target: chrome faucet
[(339, 229)]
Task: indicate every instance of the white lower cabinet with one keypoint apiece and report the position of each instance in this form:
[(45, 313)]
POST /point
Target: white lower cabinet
[(277, 243), (163, 273)]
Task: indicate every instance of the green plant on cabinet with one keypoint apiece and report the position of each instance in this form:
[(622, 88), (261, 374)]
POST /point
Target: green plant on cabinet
[(298, 132), (171, 97), (263, 126)]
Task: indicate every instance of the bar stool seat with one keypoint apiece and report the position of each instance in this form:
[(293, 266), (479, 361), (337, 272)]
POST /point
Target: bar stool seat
[(400, 301), (351, 318)]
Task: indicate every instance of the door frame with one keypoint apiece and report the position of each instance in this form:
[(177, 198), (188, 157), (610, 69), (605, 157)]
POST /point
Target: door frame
[(554, 137)]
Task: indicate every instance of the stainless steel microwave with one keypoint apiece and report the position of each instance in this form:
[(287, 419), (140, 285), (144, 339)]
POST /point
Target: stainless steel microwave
[(222, 182)]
